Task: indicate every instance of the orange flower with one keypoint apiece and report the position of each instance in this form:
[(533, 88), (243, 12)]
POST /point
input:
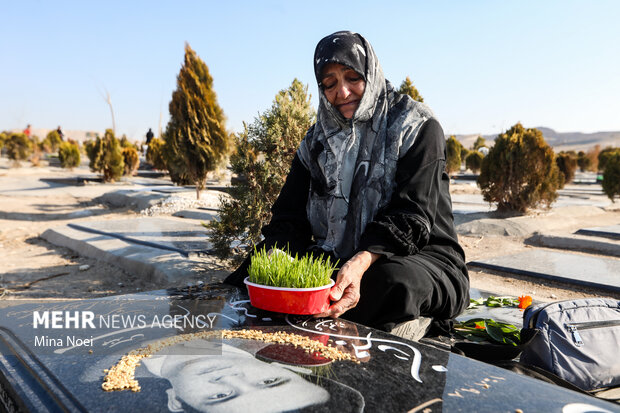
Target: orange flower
[(525, 301)]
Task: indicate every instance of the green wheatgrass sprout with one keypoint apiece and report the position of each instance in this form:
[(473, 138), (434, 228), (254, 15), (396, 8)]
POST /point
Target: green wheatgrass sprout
[(279, 269)]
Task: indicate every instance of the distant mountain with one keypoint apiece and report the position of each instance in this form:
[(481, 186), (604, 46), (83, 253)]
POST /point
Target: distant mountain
[(560, 141), (571, 139)]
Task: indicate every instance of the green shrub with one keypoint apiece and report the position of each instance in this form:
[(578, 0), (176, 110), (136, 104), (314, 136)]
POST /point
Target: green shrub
[(18, 147), (52, 142), (567, 164), (105, 156), (605, 155), (611, 176), (69, 155), (155, 154), (131, 160), (474, 161), (279, 269), (520, 171), (264, 153), (453, 155)]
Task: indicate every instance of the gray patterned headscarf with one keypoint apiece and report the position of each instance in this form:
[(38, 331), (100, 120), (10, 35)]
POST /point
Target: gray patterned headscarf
[(352, 162)]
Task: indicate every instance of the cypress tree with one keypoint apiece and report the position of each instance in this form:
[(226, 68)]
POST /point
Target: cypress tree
[(473, 161), (611, 176), (106, 156), (583, 161), (131, 159), (112, 163), (263, 157), (69, 154), (567, 164), (453, 155), (407, 88), (18, 147), (605, 155), (520, 171), (52, 142), (155, 154), (196, 138)]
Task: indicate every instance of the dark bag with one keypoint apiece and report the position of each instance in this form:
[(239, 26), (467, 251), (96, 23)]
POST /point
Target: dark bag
[(577, 340), (505, 356)]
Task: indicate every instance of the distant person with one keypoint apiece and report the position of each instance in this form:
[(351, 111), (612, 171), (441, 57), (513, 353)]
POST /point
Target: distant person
[(60, 134), (149, 136), (27, 131)]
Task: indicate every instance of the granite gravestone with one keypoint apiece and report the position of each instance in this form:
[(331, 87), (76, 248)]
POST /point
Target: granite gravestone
[(186, 238), (611, 231), (52, 359), (596, 272)]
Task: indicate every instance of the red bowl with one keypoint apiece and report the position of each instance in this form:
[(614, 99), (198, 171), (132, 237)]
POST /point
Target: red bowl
[(289, 300)]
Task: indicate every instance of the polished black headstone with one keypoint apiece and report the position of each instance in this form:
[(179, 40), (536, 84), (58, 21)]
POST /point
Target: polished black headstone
[(41, 371)]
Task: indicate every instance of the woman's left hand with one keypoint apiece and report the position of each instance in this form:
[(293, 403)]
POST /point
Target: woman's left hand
[(346, 292)]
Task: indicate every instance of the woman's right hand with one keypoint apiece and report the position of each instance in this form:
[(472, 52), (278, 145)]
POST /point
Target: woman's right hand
[(346, 292)]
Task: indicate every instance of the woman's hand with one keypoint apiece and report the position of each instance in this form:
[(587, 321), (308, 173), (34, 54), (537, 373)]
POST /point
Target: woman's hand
[(346, 292)]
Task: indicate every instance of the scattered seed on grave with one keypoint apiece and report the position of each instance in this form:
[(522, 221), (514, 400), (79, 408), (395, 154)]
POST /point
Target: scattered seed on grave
[(121, 375)]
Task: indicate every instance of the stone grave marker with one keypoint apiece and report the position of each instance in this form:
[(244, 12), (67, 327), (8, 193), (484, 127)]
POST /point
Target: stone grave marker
[(611, 231), (590, 271), (176, 235)]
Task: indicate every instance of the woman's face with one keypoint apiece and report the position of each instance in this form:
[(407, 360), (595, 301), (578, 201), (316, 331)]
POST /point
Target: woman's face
[(343, 87)]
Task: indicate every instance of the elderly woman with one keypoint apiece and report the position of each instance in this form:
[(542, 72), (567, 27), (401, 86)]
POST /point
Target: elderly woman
[(368, 186)]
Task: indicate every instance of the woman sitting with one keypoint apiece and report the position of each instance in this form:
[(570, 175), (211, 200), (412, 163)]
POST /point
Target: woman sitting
[(368, 187)]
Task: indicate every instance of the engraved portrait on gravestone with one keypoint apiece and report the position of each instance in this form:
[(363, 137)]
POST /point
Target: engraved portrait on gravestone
[(231, 381)]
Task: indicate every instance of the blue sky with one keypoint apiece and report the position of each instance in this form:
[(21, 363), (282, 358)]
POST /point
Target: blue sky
[(481, 65)]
